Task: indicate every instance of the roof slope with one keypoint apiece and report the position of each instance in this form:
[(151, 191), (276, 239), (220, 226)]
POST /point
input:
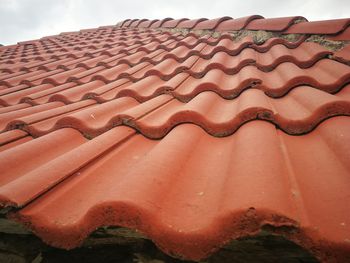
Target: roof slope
[(188, 130)]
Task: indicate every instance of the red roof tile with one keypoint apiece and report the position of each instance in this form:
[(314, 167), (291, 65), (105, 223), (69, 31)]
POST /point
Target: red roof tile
[(212, 23), (158, 131), (320, 27), (173, 23), (191, 23), (127, 23), (160, 22), (237, 23), (137, 22), (343, 55), (147, 23), (273, 24), (344, 35)]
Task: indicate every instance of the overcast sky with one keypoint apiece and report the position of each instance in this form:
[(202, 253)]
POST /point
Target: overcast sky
[(31, 19)]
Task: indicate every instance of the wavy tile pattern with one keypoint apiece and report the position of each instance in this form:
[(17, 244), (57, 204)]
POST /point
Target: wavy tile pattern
[(157, 130), (289, 25)]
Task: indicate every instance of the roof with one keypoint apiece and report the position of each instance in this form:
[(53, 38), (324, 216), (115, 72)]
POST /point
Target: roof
[(194, 132)]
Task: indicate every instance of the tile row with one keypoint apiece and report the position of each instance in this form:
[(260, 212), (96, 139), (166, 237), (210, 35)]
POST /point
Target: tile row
[(84, 48), (297, 113), (74, 39), (110, 33), (290, 25), (182, 80), (181, 45), (165, 65), (151, 185)]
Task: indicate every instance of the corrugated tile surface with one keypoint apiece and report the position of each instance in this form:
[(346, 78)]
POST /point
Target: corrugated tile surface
[(192, 139)]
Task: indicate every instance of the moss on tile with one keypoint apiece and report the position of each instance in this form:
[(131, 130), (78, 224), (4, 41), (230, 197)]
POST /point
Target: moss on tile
[(327, 43), (261, 36)]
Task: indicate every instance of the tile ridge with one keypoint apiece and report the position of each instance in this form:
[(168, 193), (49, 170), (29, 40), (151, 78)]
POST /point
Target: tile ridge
[(140, 116)]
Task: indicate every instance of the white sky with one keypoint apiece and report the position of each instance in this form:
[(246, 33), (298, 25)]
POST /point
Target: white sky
[(31, 19)]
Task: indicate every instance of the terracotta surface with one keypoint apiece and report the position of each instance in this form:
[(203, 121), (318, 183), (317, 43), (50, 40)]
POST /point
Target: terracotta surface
[(194, 140), (320, 27), (212, 23), (160, 22), (191, 23), (290, 25), (173, 23), (237, 23), (274, 24), (344, 35), (343, 55), (147, 23)]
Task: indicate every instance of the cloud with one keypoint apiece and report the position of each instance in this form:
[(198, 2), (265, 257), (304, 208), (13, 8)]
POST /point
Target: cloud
[(30, 19)]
